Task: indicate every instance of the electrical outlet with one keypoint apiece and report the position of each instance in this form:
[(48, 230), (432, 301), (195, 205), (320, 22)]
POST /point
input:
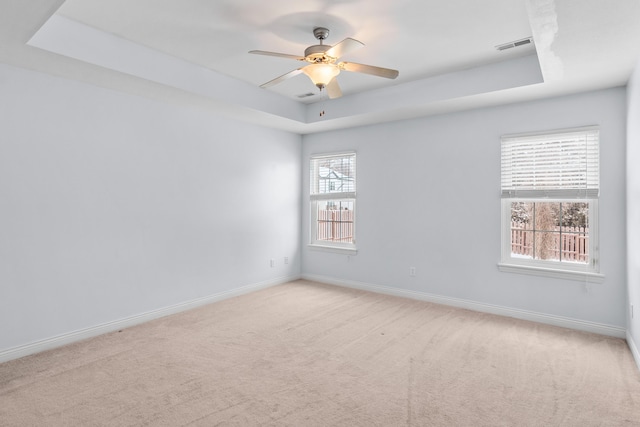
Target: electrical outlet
[(286, 260), (273, 262), (412, 271)]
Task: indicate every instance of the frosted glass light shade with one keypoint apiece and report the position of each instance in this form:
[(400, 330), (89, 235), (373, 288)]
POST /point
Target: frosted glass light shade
[(321, 74)]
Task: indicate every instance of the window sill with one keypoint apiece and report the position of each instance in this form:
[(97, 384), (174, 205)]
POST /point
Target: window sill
[(334, 249), (582, 276)]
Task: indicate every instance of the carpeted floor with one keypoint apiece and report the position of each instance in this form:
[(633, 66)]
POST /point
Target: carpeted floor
[(306, 354)]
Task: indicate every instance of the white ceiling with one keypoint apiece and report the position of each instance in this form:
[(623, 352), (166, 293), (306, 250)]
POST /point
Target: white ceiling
[(195, 52)]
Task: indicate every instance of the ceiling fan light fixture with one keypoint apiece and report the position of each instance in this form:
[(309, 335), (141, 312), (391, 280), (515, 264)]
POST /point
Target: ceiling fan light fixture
[(322, 68), (321, 74)]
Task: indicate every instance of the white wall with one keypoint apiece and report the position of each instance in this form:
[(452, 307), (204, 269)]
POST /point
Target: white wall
[(113, 205), (633, 209), (427, 187)]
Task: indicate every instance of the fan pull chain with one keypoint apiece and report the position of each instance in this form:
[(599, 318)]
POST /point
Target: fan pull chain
[(323, 94)]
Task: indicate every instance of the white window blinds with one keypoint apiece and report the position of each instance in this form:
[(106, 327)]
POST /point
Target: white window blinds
[(555, 165), (333, 176)]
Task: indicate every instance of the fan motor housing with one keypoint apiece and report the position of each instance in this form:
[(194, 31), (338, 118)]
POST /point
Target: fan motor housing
[(317, 53)]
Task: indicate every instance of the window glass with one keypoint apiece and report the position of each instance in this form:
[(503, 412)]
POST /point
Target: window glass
[(555, 231), (335, 221)]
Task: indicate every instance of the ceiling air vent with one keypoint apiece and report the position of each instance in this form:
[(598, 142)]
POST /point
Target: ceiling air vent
[(306, 95), (515, 43)]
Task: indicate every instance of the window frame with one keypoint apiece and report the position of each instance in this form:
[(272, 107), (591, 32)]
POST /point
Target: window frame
[(590, 271), (315, 197)]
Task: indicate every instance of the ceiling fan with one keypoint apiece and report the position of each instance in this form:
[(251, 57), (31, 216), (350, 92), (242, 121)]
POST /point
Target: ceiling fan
[(322, 68)]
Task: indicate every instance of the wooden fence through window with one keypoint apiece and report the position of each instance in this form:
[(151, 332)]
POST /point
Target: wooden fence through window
[(572, 244), (335, 225)]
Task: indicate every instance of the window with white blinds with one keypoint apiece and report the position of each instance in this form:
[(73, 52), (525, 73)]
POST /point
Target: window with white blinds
[(332, 196), (550, 185), (558, 165)]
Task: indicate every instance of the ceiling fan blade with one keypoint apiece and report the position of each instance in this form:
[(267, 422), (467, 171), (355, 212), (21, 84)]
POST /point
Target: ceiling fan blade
[(333, 89), (345, 46), (369, 69), (280, 55), (281, 78)]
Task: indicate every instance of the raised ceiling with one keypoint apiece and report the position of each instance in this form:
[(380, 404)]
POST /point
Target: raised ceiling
[(419, 38), (195, 52)]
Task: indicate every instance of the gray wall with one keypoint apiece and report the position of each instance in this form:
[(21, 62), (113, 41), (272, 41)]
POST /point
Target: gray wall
[(429, 197), (113, 205), (633, 209)]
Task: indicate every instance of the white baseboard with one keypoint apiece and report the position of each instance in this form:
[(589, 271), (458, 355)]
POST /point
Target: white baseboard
[(565, 322), (634, 349), (60, 340)]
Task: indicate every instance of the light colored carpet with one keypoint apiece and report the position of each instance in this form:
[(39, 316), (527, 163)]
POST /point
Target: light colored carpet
[(306, 354)]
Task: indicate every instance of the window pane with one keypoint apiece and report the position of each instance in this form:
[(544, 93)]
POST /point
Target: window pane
[(574, 241), (575, 214), (521, 230), (575, 247), (546, 245), (335, 221), (546, 216), (554, 231), (334, 174), (522, 214)]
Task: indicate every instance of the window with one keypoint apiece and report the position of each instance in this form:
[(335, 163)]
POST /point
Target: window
[(333, 201), (550, 189)]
